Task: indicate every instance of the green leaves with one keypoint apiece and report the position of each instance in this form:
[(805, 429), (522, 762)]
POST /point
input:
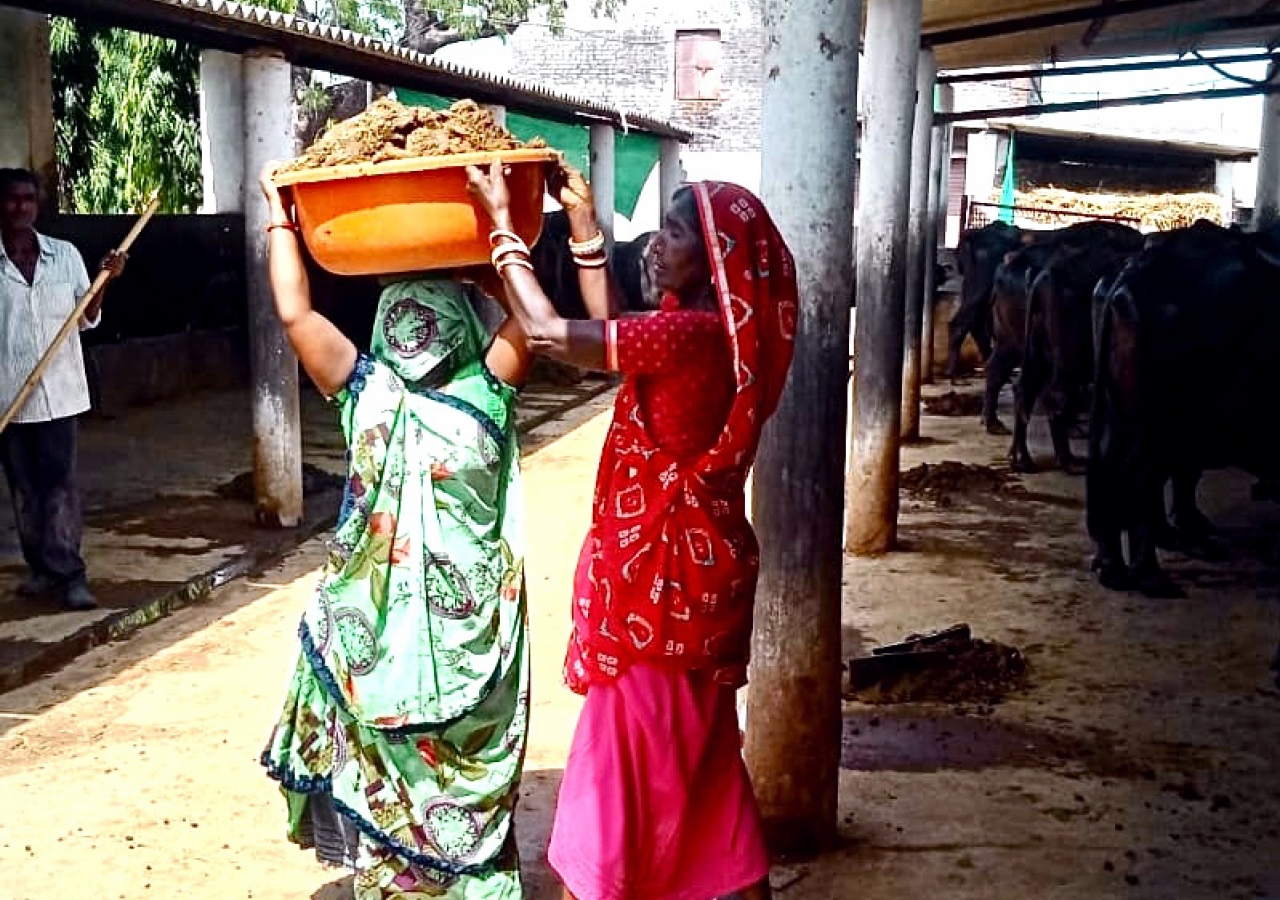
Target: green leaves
[(127, 105), (127, 112)]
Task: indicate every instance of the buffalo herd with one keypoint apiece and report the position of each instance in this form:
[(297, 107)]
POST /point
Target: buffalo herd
[(1171, 344)]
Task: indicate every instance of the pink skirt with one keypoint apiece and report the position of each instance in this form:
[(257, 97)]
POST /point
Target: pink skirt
[(655, 802)]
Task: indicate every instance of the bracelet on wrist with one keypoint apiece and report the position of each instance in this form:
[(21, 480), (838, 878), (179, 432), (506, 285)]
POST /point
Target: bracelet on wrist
[(589, 247)]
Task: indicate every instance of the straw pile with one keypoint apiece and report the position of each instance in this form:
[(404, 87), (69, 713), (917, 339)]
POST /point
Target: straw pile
[(1159, 212)]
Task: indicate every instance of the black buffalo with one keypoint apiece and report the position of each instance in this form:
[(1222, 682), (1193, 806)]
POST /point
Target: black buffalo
[(1008, 314), (1188, 335), (556, 271), (1057, 357), (978, 255)]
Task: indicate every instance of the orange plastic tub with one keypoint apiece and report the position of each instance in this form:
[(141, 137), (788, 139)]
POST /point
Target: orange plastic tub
[(410, 215)]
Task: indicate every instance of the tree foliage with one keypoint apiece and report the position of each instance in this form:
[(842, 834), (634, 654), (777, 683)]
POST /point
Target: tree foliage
[(127, 114), (127, 104)]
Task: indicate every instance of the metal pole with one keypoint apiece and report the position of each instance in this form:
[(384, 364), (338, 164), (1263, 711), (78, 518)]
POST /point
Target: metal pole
[(809, 114), (1266, 202), (1040, 109), (936, 227), (670, 173), (993, 75), (277, 426), (602, 176), (919, 248), (892, 42)]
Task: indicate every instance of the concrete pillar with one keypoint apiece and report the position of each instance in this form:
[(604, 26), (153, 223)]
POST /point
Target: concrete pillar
[(891, 58), (498, 110), (1224, 187), (920, 248), (277, 429), (793, 730), (1266, 200), (935, 224), (602, 176), (222, 144), (670, 173), (27, 139)]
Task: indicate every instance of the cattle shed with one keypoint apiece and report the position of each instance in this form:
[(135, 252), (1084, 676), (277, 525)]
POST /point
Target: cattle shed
[(810, 501), (808, 504), (1089, 161)]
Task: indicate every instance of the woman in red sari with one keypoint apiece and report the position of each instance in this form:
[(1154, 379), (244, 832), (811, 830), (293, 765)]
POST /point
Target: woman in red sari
[(656, 802)]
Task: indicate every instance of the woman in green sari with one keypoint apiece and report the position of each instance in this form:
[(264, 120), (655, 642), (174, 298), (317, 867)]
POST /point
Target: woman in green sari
[(402, 737)]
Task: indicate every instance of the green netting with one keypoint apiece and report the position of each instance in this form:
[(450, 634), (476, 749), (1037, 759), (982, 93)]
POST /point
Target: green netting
[(635, 153)]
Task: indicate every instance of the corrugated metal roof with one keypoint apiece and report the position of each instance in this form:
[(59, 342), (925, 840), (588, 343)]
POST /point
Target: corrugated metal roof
[(1186, 148), (237, 27)]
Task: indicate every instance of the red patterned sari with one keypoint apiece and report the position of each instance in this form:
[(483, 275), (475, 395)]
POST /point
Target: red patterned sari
[(668, 572), (656, 803)]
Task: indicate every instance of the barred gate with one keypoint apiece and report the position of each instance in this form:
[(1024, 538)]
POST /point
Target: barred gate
[(976, 214)]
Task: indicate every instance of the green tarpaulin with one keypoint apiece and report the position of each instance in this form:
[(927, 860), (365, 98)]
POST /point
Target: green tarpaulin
[(1007, 188), (635, 153)]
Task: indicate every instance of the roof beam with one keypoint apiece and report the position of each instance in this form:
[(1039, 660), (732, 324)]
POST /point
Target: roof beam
[(1004, 27), (1038, 109), (1104, 68), (1095, 27)]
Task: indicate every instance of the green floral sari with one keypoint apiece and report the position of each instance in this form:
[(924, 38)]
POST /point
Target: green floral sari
[(402, 738)]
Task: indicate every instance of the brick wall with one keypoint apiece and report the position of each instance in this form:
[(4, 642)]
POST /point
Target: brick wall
[(629, 61)]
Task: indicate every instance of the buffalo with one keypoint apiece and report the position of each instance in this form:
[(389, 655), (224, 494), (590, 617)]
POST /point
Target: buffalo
[(1187, 338)]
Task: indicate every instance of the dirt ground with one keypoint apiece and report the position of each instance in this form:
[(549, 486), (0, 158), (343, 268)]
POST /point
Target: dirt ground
[(1139, 761)]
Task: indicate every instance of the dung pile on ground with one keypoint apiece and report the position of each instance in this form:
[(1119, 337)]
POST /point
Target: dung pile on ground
[(314, 481), (946, 667), (389, 130), (940, 482), (953, 404)]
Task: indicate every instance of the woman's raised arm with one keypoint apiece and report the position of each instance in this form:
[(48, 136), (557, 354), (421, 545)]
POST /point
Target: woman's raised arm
[(325, 352)]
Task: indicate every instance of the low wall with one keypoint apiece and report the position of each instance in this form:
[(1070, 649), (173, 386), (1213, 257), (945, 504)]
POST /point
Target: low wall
[(149, 370)]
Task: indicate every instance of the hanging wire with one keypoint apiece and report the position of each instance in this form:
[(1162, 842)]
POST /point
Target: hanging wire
[(1230, 76)]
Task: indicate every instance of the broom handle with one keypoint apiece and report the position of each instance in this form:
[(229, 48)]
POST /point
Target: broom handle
[(74, 320)]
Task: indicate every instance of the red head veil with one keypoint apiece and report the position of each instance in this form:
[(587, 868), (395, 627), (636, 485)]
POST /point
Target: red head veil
[(669, 571)]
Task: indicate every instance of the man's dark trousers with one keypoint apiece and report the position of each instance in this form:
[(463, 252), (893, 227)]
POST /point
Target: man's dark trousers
[(40, 464)]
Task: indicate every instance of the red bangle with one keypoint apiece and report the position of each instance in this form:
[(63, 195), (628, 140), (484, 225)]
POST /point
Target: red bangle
[(287, 226)]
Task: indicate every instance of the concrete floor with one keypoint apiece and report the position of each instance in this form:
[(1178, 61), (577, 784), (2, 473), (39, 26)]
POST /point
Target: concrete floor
[(1139, 762)]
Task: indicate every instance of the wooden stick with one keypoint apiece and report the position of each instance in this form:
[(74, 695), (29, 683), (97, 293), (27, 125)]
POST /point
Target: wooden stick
[(73, 321)]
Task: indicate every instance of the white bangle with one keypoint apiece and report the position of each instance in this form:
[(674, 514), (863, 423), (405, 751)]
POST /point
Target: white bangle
[(503, 233), (596, 262), (588, 247), (507, 249)]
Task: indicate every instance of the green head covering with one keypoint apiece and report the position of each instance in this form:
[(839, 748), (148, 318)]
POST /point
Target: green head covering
[(426, 329)]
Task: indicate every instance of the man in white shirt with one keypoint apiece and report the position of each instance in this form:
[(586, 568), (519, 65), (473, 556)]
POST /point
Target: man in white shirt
[(41, 281)]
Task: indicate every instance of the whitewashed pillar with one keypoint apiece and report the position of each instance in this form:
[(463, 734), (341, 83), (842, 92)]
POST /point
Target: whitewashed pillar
[(277, 425), (222, 144), (602, 176)]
